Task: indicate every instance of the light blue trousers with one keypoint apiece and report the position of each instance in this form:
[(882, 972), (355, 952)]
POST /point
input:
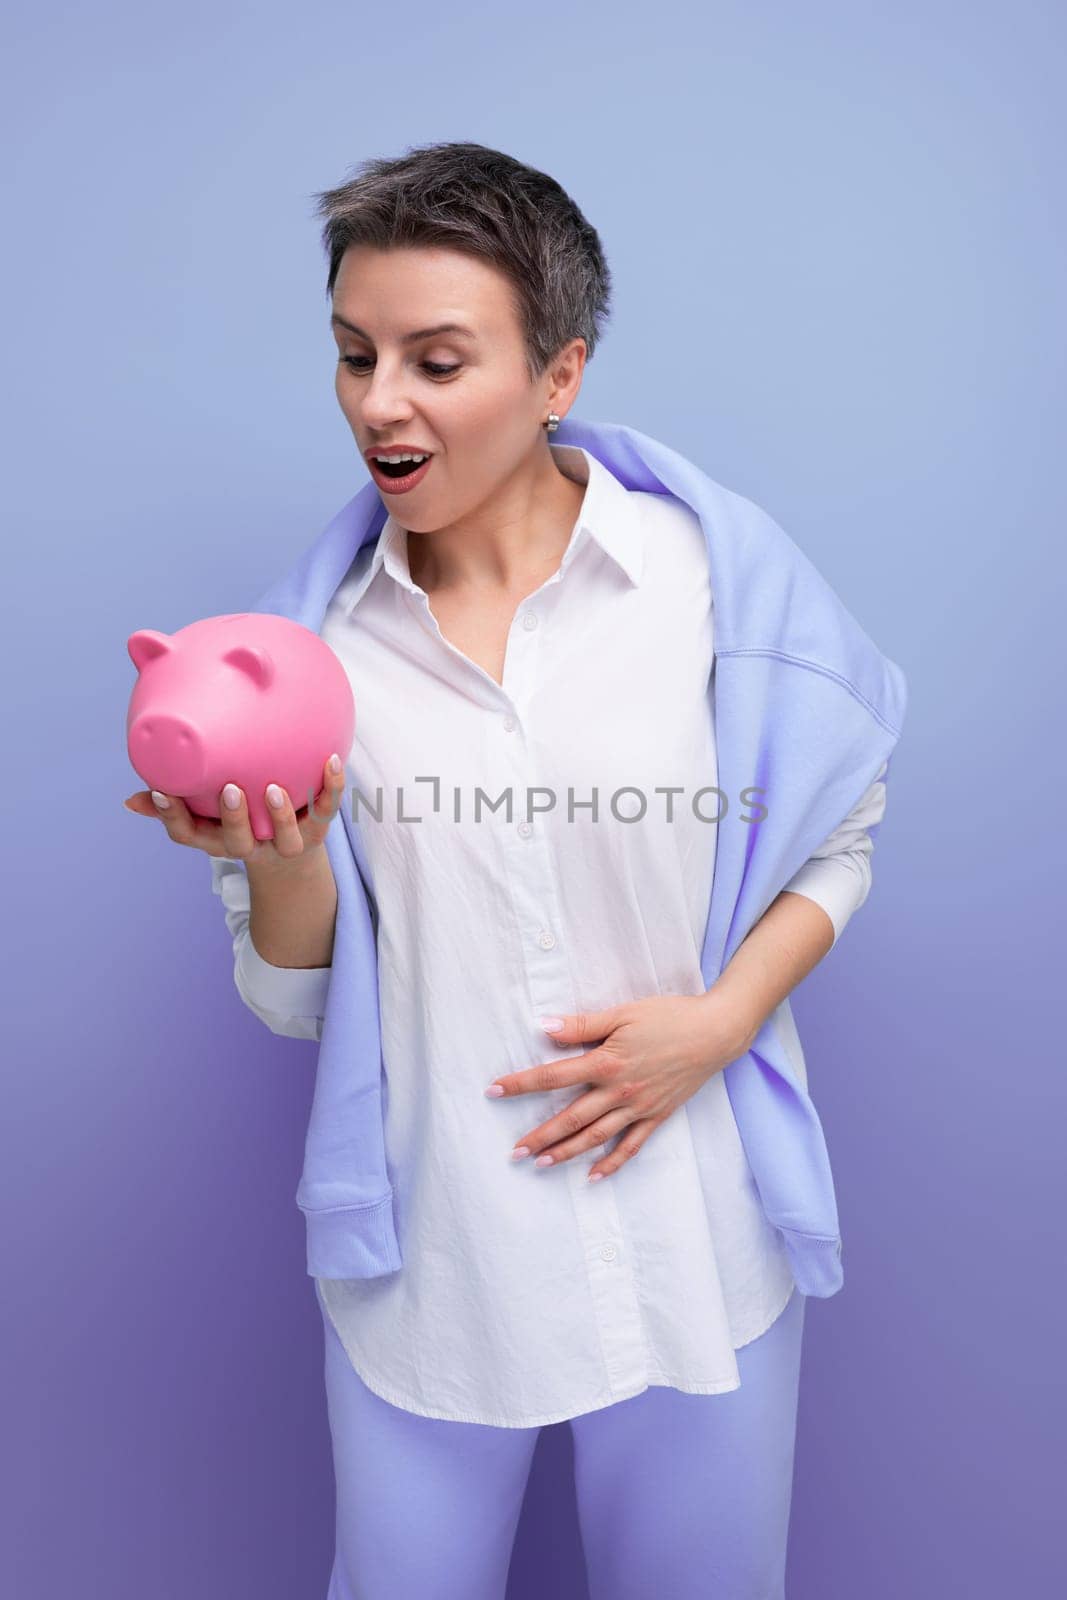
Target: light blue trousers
[(685, 1495)]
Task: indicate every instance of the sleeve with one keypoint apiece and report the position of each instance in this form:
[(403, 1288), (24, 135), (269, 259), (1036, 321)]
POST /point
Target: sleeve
[(838, 876), (291, 1001)]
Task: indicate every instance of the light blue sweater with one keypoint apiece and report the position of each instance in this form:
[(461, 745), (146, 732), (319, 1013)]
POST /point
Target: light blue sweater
[(807, 709)]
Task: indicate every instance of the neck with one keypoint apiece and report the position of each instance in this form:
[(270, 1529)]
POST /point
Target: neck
[(503, 547)]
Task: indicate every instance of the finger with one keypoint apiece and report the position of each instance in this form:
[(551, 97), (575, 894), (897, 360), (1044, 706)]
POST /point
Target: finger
[(238, 840), (288, 839), (570, 1124), (560, 1074), (633, 1137), (597, 1132), (141, 804), (323, 807), (176, 818)]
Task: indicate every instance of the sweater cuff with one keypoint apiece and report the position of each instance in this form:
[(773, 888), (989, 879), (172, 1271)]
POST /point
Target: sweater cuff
[(815, 1262), (352, 1241), (284, 991)]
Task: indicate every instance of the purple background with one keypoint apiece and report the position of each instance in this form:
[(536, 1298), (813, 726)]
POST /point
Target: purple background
[(838, 249)]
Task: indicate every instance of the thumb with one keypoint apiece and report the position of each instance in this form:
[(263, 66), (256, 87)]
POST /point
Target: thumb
[(582, 1026)]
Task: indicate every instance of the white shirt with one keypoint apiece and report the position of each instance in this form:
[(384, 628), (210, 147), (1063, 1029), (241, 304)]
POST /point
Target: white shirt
[(529, 1295)]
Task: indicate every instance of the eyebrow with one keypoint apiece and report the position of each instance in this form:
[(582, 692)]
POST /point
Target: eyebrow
[(409, 338)]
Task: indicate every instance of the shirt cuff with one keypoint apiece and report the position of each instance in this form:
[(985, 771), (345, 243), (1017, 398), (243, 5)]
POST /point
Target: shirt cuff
[(284, 991), (838, 885)]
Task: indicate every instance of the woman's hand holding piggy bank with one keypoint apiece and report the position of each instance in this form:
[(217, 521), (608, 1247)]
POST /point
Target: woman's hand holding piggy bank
[(240, 709), (293, 837)]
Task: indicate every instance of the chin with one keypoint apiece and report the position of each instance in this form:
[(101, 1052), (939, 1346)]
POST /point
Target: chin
[(424, 523)]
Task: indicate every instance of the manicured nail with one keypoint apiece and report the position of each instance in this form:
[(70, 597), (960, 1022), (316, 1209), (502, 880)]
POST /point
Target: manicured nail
[(495, 1090), (275, 797), (334, 762), (231, 797), (544, 1161), (552, 1024), (519, 1151), (161, 800), (595, 1177)]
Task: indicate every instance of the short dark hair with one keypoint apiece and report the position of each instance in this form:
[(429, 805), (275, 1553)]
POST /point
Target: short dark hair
[(474, 199)]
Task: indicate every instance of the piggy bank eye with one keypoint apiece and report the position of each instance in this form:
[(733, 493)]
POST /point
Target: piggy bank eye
[(250, 659)]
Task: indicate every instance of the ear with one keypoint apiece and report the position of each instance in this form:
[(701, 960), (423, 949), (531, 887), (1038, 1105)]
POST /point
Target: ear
[(145, 645), (254, 661)]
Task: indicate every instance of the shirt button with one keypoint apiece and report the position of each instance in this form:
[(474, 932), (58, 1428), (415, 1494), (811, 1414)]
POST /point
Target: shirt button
[(525, 829), (546, 939), (608, 1253), (510, 724), (529, 621)]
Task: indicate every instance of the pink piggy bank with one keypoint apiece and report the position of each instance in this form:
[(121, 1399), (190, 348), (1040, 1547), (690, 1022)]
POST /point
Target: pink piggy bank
[(250, 699)]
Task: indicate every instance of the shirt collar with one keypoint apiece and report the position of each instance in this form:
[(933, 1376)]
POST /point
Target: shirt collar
[(608, 515)]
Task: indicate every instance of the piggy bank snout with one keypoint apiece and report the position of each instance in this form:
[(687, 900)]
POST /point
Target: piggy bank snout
[(169, 752)]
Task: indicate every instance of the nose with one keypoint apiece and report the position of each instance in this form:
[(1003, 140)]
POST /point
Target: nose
[(168, 753), (383, 405)]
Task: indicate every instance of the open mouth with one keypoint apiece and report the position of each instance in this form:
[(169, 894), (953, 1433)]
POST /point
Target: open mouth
[(397, 477)]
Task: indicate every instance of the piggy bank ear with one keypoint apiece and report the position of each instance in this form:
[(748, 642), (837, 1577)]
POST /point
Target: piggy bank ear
[(256, 662), (145, 645)]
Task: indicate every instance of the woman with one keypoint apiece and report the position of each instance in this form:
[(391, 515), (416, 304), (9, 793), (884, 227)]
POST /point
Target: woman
[(545, 968)]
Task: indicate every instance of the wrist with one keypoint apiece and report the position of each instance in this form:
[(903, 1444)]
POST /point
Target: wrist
[(297, 869), (735, 1014)]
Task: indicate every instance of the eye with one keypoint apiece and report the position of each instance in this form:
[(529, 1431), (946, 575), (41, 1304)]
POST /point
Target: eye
[(435, 368)]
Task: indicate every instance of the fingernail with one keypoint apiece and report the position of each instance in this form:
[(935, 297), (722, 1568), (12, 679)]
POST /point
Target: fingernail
[(519, 1151), (334, 763), (275, 797), (544, 1161), (231, 797), (161, 800), (495, 1090), (552, 1024)]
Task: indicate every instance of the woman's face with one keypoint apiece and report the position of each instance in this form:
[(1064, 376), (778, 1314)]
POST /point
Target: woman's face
[(464, 396)]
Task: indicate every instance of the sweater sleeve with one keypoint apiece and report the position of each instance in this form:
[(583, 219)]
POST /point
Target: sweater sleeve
[(838, 876), (291, 1001)]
